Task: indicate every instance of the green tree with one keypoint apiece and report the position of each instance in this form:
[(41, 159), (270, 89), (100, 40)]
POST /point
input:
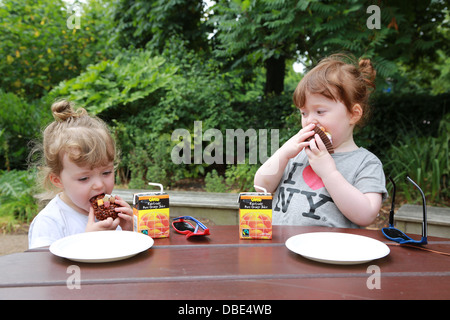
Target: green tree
[(151, 23), (39, 49), (20, 122), (269, 33)]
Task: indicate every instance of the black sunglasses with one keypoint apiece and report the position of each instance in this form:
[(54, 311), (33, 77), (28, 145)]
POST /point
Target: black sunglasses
[(396, 235)]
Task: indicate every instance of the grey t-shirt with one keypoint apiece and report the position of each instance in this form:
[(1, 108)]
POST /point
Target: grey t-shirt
[(302, 199)]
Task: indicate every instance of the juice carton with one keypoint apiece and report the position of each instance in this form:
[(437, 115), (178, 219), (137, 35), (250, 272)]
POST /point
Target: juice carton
[(151, 213), (255, 215)]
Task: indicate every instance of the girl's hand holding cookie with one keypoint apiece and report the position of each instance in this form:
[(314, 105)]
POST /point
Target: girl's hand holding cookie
[(319, 158), (107, 224), (125, 214), (297, 142), (110, 214)]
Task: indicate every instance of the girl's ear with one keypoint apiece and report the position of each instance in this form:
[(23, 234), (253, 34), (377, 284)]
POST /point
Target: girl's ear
[(56, 181), (356, 114)]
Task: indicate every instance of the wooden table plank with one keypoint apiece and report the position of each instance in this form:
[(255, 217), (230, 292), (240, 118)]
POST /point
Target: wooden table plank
[(177, 268), (407, 287), (37, 268)]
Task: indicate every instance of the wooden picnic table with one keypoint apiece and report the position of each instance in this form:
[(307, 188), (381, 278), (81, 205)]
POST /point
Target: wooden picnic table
[(221, 266)]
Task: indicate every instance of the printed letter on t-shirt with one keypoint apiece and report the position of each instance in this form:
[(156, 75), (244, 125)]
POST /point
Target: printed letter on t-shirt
[(313, 206), (291, 173), (285, 202)]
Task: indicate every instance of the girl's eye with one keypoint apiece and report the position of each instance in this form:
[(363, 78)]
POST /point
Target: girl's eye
[(107, 173), (83, 179)]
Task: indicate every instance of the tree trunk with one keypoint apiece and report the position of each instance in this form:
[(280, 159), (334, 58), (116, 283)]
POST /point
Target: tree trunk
[(275, 72)]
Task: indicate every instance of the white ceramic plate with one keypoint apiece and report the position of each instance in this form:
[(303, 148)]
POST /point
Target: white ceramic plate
[(101, 246), (337, 248)]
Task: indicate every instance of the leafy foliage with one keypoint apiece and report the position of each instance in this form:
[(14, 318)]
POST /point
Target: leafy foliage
[(16, 195), (150, 23), (126, 79), (426, 160), (393, 115), (237, 178), (38, 50), (253, 32), (20, 122)]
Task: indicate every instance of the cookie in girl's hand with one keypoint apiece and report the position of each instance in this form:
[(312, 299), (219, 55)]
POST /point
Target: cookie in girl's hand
[(325, 136), (104, 205)]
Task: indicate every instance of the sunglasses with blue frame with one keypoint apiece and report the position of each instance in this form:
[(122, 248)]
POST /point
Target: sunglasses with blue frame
[(395, 234)]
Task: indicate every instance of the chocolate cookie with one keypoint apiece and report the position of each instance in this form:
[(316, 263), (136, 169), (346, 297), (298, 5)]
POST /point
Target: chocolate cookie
[(325, 138), (104, 206)]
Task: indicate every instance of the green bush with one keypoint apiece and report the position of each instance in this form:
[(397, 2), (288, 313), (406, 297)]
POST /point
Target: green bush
[(150, 161), (426, 161), (396, 115), (20, 122), (145, 98), (240, 177), (17, 202), (215, 182), (38, 49), (117, 86), (237, 178)]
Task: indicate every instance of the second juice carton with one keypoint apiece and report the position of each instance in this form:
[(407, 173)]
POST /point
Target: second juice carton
[(151, 213), (255, 215)]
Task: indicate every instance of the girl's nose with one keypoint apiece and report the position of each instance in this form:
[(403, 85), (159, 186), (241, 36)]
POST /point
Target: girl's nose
[(311, 120), (97, 184)]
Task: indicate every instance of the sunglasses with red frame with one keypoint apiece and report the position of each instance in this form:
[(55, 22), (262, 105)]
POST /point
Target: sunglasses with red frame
[(182, 226)]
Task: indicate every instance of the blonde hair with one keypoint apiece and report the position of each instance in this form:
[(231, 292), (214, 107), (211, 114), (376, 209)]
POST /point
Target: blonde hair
[(348, 82), (85, 139)]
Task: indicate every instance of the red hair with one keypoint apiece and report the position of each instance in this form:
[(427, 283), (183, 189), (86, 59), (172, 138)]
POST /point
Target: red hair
[(350, 83)]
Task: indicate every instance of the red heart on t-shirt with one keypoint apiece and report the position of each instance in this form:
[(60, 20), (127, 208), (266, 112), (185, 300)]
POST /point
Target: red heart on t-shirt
[(312, 179)]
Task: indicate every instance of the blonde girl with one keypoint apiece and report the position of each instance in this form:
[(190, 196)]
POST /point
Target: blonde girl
[(78, 158), (312, 186)]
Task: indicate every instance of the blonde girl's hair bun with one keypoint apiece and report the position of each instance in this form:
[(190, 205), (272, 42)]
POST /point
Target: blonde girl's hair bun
[(62, 110), (368, 72)]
